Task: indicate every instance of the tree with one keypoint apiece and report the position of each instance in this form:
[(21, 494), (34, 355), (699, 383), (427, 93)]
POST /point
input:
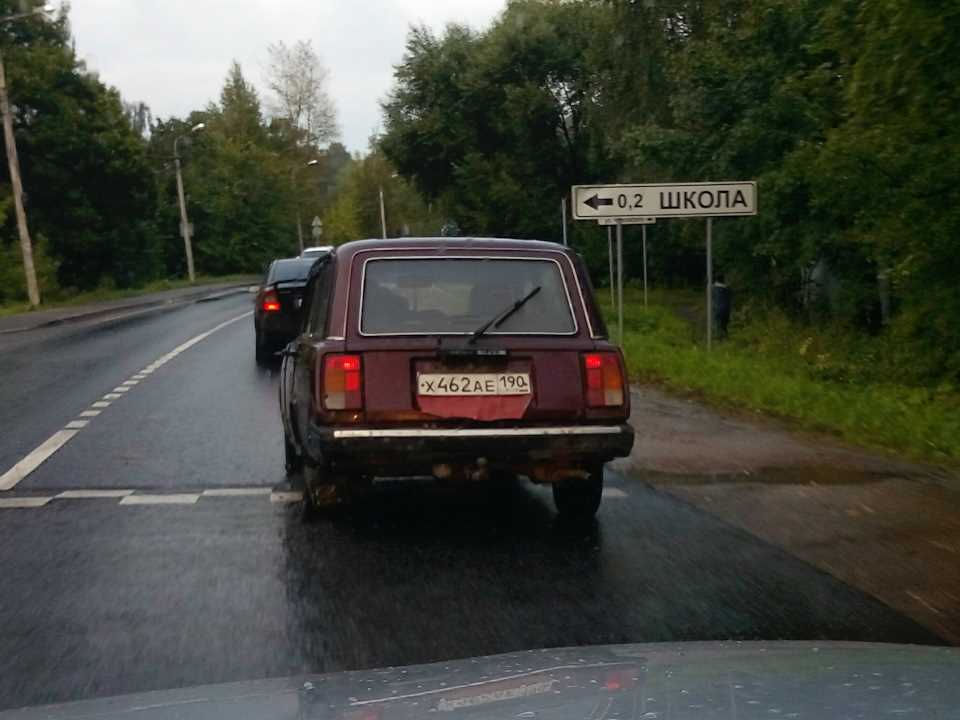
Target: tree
[(298, 82)]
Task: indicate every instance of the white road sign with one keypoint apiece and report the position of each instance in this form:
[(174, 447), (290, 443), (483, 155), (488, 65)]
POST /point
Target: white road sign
[(713, 199), (627, 221)]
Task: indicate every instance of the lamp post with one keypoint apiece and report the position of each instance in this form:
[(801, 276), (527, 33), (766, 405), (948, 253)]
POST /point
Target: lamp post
[(13, 161), (184, 222), (296, 198)]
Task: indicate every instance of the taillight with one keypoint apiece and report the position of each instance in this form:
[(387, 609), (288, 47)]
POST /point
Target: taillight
[(604, 380), (271, 303), (342, 382)]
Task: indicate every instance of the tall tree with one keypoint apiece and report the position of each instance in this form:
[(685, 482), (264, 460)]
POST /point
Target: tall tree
[(298, 83)]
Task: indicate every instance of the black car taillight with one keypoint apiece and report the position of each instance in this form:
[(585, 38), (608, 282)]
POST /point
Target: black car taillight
[(271, 303)]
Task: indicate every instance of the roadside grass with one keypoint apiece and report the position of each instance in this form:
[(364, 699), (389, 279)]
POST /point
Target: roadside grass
[(824, 380), (60, 298)]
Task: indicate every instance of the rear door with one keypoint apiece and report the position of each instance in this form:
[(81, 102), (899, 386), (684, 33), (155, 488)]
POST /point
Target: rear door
[(414, 320)]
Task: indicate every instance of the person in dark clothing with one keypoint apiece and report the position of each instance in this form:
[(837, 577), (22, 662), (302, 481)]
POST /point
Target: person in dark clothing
[(722, 298)]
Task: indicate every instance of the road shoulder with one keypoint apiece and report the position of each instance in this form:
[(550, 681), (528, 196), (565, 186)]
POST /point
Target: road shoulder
[(888, 527)]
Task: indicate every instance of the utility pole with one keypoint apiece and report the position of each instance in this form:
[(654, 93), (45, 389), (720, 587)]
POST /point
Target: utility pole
[(13, 161), (26, 245), (184, 221)]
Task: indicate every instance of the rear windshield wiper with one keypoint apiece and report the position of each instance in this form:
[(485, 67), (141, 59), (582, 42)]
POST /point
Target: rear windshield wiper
[(501, 317)]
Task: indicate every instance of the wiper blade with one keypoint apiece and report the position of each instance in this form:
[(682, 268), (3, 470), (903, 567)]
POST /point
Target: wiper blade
[(501, 317)]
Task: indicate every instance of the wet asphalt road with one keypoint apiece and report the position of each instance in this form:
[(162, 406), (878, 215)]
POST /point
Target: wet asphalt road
[(101, 598)]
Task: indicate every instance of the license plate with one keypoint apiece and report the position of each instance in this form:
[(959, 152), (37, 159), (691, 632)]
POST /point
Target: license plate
[(473, 384)]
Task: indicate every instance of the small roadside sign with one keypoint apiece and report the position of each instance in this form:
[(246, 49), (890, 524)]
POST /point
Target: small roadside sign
[(627, 221), (711, 199), (316, 227)]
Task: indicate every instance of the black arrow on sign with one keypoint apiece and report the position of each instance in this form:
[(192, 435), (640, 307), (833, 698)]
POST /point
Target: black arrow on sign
[(596, 201)]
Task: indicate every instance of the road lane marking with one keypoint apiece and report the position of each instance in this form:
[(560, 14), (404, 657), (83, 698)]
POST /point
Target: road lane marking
[(12, 477), (76, 424), (121, 389), (36, 457), (86, 494), (236, 492), (130, 383), (172, 499), (24, 502), (90, 413), (609, 493), (139, 376), (286, 497)]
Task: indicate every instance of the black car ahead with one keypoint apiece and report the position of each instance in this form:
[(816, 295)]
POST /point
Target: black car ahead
[(276, 318)]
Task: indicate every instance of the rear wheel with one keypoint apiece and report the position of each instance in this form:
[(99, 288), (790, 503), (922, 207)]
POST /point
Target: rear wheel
[(292, 461), (578, 499), (263, 349)]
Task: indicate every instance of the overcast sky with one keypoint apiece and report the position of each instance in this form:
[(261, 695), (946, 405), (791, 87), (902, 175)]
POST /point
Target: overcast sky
[(174, 54)]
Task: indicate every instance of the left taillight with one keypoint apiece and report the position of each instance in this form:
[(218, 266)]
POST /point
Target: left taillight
[(270, 302), (342, 382), (604, 379)]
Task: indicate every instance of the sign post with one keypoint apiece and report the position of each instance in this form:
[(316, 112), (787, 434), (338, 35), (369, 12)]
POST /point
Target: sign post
[(709, 282), (642, 204), (613, 299), (563, 218), (644, 267), (620, 281)]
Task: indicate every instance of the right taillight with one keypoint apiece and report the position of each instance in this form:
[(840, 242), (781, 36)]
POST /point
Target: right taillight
[(604, 379), (271, 303), (342, 382)]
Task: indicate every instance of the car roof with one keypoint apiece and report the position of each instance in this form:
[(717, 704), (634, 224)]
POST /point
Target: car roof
[(349, 249)]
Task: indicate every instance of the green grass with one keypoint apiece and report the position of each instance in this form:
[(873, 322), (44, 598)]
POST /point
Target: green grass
[(61, 299), (823, 380)]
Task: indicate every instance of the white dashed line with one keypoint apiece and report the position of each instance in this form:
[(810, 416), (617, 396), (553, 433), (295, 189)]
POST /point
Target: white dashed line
[(236, 492), (130, 383), (286, 497), (90, 413), (24, 502), (88, 494), (12, 477), (173, 499), (76, 424)]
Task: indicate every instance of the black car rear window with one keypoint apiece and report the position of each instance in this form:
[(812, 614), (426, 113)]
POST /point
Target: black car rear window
[(291, 270), (458, 295)]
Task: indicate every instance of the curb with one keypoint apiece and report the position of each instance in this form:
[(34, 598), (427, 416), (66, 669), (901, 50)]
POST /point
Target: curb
[(199, 296)]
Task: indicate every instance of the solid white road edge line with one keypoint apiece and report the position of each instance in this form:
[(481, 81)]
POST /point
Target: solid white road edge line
[(236, 492), (172, 499), (12, 477)]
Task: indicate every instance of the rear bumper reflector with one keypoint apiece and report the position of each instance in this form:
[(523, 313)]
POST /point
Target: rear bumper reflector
[(479, 432)]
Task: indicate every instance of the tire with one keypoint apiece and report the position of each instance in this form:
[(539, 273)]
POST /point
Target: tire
[(578, 499), (262, 350), (292, 462), (319, 496)]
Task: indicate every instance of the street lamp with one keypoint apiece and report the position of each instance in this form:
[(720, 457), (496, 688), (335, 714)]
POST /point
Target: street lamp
[(184, 222), (296, 198), (13, 161)]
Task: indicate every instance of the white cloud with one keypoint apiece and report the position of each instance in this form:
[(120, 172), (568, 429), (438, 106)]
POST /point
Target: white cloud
[(174, 54)]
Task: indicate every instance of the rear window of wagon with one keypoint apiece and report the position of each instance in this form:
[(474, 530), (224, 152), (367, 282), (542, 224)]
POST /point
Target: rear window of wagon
[(457, 295)]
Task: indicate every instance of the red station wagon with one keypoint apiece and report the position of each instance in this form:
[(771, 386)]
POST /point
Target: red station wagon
[(463, 359)]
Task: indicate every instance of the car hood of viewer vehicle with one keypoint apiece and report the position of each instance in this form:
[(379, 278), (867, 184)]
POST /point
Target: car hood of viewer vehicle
[(735, 681)]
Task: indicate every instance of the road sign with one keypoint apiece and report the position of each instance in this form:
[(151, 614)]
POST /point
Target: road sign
[(316, 227), (627, 221), (713, 199)]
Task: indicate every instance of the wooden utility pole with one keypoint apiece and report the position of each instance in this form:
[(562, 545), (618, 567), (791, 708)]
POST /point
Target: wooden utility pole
[(26, 246)]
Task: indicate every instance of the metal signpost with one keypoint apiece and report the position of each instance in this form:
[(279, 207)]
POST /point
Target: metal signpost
[(642, 204), (613, 285)]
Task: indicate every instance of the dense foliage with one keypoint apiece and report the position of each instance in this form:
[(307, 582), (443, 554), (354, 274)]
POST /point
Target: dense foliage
[(845, 111)]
